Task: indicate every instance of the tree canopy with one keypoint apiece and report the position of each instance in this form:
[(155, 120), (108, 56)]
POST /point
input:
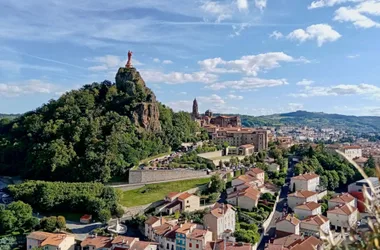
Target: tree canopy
[(90, 134)]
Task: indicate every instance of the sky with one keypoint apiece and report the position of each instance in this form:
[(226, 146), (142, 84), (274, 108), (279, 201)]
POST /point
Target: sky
[(254, 57)]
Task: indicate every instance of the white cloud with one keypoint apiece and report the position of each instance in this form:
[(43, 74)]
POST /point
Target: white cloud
[(183, 93), (249, 65), (247, 83), (16, 66), (213, 99), (28, 87), (182, 105), (261, 4), (156, 60), (358, 15), (178, 77), (322, 33), (295, 106), (305, 82), (219, 11), (340, 90), (329, 3), (242, 4), (276, 35), (109, 62), (353, 56), (238, 29), (167, 62), (235, 97)]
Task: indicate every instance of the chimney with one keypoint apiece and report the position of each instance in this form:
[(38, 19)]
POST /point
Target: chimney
[(95, 235), (123, 241)]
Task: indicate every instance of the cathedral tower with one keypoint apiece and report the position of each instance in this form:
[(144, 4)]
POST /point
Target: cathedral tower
[(195, 113)]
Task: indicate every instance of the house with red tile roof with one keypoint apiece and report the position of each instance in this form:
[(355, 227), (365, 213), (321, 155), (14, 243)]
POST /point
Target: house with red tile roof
[(295, 242), (287, 225), (343, 216), (50, 240), (314, 225), (247, 198), (221, 217), (308, 209), (308, 181), (342, 199), (152, 222), (219, 245), (353, 151), (95, 242), (301, 197), (183, 202)]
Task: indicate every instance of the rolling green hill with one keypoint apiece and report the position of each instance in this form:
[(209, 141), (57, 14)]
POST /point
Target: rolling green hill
[(318, 120)]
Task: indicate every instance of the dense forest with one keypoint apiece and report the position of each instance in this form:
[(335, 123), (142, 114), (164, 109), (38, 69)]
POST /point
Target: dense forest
[(92, 134), (334, 171)]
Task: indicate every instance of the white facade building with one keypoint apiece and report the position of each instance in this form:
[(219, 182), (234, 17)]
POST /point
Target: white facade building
[(308, 209), (345, 216), (352, 151), (341, 200), (288, 225), (314, 225), (359, 186), (301, 197), (309, 181), (221, 218)]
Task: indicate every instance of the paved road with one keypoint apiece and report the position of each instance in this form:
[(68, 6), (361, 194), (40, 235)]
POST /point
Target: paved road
[(271, 230)]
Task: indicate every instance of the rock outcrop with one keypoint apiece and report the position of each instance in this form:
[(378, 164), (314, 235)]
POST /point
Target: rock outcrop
[(145, 113)]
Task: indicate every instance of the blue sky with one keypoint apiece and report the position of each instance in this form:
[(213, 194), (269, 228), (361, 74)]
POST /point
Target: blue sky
[(252, 57)]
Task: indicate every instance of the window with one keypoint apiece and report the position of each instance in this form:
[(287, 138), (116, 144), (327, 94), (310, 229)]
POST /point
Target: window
[(197, 245), (167, 245), (187, 201), (190, 245)]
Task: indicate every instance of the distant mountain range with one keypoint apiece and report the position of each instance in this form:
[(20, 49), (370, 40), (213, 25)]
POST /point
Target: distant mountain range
[(318, 120), (9, 116)]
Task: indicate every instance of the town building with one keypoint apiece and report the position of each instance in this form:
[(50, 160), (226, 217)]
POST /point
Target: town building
[(308, 209), (246, 150), (309, 181), (209, 119), (152, 222), (301, 197), (182, 232), (95, 242), (273, 167), (342, 199), (50, 241), (221, 218), (227, 245), (353, 151), (246, 198), (314, 225), (359, 186), (287, 225), (183, 202), (295, 242), (237, 136), (255, 177), (344, 216), (361, 161), (197, 239)]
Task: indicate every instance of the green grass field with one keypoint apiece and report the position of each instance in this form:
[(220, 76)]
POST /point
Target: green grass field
[(154, 192)]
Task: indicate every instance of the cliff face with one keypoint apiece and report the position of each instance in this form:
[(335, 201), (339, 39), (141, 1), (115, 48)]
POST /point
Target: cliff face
[(145, 113)]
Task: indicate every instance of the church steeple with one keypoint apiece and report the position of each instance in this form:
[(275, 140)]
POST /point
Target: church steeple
[(195, 113)]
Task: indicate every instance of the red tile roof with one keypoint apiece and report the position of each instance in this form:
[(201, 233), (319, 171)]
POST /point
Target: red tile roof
[(307, 176), (172, 194), (48, 239), (219, 245), (290, 218), (120, 240), (343, 198), (309, 243), (151, 220), (352, 147), (302, 194), (185, 227), (219, 209), (247, 146), (197, 234), (345, 210), (308, 206), (97, 242), (315, 220), (184, 196), (256, 170)]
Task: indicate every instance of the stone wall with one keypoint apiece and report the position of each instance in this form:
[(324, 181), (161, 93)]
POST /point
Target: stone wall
[(146, 176)]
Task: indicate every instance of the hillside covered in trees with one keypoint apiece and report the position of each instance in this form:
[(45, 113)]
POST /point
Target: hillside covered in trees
[(318, 120), (92, 134)]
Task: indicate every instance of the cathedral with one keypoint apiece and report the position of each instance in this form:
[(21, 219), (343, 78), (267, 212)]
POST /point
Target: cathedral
[(222, 121)]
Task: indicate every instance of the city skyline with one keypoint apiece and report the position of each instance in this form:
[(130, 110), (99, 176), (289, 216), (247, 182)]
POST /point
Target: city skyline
[(254, 57)]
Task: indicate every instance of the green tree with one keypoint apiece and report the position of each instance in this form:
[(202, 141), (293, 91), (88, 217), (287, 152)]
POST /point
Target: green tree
[(8, 222), (61, 222), (247, 236), (104, 216), (22, 211), (370, 163), (48, 224), (324, 207), (217, 184), (119, 212)]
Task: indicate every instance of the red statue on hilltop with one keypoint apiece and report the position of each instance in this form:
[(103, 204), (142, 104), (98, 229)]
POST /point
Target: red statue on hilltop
[(129, 63)]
